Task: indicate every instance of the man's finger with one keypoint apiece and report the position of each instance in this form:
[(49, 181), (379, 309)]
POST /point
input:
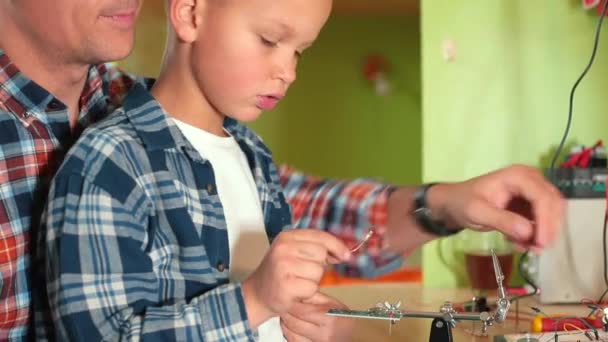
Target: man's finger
[(519, 247), (516, 227), (542, 197), (555, 219)]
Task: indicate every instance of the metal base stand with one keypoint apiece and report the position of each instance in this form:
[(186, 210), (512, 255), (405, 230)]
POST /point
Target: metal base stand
[(441, 331)]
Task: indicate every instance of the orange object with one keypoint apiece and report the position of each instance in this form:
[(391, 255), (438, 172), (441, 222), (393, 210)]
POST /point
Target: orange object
[(543, 323), (331, 277)]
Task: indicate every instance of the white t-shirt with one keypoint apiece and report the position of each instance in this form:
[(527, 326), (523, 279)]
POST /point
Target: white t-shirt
[(237, 191)]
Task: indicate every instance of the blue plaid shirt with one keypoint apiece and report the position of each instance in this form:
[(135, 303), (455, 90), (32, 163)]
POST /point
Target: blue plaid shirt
[(136, 239)]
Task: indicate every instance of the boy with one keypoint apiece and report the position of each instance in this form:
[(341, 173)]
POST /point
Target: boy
[(159, 215)]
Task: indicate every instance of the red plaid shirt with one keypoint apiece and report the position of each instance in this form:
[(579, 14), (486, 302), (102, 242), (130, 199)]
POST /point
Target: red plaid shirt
[(346, 209), (34, 134)]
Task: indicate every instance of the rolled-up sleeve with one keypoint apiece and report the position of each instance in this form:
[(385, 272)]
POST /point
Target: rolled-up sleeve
[(347, 209)]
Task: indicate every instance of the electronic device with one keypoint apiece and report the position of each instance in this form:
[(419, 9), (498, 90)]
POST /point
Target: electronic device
[(573, 267)]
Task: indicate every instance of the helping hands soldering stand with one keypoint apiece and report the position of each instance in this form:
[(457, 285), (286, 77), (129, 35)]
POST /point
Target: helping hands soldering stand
[(441, 328), (444, 320)]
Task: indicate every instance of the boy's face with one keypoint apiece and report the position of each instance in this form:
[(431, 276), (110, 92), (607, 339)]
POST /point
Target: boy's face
[(245, 57), (83, 31)]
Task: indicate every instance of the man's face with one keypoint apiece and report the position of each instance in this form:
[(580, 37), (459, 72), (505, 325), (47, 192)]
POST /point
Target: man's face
[(82, 31), (246, 55)]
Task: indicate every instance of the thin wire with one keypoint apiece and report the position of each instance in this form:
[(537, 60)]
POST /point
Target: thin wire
[(574, 326), (526, 277), (577, 318), (363, 241), (578, 81), (597, 308)]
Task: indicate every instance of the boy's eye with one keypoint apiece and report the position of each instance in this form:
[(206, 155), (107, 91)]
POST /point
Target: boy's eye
[(268, 42)]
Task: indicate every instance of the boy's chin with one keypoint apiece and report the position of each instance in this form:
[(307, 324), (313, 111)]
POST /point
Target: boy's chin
[(247, 116)]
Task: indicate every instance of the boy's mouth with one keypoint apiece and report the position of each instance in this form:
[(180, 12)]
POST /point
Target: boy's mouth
[(268, 102)]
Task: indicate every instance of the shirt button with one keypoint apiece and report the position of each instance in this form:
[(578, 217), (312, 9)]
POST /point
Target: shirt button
[(54, 105), (220, 266), (210, 188)]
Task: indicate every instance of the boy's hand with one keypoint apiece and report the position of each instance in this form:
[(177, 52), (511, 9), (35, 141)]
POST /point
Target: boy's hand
[(307, 321), (290, 272)]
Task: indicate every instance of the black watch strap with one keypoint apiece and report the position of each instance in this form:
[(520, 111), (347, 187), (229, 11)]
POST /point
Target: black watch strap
[(423, 216)]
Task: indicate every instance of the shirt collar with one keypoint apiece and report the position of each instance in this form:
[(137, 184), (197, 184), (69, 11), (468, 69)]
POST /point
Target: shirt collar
[(23, 96), (151, 124), (18, 93)]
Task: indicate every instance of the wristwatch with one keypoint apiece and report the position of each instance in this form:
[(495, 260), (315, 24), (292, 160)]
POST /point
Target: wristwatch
[(423, 214)]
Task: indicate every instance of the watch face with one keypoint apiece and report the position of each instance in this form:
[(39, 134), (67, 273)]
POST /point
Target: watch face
[(423, 211), (424, 219), (423, 215)]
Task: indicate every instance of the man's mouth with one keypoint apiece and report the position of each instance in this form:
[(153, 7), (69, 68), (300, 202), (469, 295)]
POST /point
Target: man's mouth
[(124, 18)]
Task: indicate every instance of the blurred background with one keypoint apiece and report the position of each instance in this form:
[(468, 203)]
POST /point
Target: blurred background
[(435, 90)]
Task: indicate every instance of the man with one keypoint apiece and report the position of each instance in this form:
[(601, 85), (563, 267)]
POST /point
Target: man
[(52, 85)]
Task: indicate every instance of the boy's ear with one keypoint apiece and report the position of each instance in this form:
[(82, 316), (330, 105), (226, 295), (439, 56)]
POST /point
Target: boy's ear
[(185, 17)]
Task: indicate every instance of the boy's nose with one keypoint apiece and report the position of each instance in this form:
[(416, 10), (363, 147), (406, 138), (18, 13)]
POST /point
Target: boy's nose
[(287, 73)]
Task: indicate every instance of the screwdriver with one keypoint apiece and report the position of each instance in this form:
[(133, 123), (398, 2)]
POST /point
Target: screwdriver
[(543, 323)]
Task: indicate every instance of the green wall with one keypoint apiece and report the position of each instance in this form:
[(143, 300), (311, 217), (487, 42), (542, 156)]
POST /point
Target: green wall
[(333, 124), (504, 99)]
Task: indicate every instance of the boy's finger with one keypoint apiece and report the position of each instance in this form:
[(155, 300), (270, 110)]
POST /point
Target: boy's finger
[(333, 260), (289, 334), (311, 251), (335, 247), (308, 270), (301, 327)]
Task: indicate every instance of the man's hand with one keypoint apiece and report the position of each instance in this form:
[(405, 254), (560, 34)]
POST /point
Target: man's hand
[(290, 272), (518, 201), (307, 321)]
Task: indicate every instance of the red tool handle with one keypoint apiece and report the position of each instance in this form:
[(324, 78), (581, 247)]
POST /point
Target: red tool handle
[(547, 324)]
